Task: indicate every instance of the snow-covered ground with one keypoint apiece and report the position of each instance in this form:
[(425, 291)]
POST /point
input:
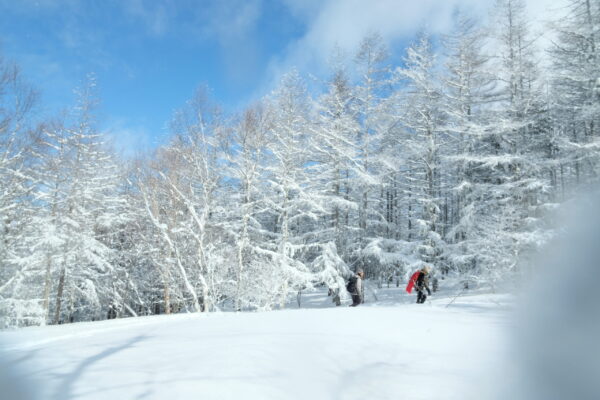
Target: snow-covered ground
[(387, 349)]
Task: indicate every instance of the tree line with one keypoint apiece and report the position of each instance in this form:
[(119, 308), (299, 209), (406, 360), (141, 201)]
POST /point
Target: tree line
[(455, 158)]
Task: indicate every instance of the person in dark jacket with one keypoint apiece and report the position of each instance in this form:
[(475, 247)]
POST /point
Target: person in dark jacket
[(358, 292), (422, 284)]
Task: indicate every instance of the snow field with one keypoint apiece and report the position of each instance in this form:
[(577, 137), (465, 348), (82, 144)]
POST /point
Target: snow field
[(371, 352)]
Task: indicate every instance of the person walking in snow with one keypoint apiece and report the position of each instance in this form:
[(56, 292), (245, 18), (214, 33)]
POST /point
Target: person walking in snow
[(355, 287), (420, 281), (422, 284)]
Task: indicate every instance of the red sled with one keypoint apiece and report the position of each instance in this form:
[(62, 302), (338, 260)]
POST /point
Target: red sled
[(411, 282)]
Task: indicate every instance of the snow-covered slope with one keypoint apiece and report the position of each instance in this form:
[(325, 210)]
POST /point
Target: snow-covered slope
[(389, 351)]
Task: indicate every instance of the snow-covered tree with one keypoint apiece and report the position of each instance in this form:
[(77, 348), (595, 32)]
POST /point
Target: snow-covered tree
[(502, 185), (245, 166), (336, 167), (79, 207), (468, 90), (422, 138), (293, 208), (184, 210), (373, 73), (575, 92), (19, 302)]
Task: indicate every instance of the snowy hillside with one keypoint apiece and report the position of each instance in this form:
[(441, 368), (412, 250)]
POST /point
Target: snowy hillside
[(376, 351)]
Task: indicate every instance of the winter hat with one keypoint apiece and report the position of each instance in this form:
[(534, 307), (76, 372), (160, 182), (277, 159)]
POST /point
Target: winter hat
[(427, 269), (360, 271)]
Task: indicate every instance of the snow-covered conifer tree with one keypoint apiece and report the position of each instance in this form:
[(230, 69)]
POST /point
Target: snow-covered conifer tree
[(422, 138), (79, 208), (468, 89), (20, 303), (337, 166), (293, 208), (504, 189), (373, 74), (575, 93)]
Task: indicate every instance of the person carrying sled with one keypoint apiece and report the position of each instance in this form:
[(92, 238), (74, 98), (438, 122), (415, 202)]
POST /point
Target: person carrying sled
[(420, 281), (355, 287)]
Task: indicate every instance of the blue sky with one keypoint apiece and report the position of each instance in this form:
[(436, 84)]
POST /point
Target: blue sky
[(150, 55)]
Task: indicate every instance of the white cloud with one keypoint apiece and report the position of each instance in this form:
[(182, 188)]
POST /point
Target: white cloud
[(232, 20), (131, 141), (154, 15), (345, 22), (233, 24)]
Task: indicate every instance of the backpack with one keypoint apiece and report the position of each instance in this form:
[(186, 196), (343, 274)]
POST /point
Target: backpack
[(351, 285), (412, 281)]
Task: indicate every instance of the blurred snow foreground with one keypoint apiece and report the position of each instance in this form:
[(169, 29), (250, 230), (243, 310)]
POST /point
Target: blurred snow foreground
[(558, 340), (542, 344)]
